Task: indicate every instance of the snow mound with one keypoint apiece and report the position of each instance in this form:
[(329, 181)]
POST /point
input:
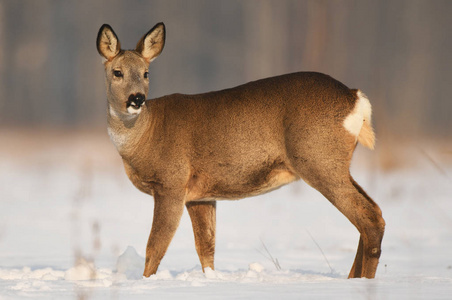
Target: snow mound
[(210, 274), (256, 267), (83, 270), (130, 264)]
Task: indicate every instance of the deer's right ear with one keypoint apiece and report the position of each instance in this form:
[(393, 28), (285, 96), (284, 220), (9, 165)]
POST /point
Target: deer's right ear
[(151, 44), (107, 42)]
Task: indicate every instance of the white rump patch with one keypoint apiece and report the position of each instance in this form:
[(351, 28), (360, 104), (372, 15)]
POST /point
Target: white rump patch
[(360, 114)]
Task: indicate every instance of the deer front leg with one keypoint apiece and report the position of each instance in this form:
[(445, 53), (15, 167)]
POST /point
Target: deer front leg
[(168, 211), (203, 219)]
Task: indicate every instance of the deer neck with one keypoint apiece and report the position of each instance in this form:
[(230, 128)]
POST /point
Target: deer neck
[(125, 131)]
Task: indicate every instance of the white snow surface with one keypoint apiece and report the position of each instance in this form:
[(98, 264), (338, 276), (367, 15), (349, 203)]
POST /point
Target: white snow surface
[(73, 227)]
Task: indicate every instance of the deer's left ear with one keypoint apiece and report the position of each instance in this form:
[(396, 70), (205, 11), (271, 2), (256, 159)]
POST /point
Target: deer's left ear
[(151, 44)]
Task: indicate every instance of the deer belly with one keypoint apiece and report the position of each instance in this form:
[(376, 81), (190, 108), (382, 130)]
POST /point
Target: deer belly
[(201, 188)]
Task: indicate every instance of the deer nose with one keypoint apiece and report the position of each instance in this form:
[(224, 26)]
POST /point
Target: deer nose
[(136, 100), (139, 98)]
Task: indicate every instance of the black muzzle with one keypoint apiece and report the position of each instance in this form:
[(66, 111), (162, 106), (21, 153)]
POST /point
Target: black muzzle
[(136, 100)]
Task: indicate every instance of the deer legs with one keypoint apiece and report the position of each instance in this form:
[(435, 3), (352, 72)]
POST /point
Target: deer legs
[(167, 214), (203, 216), (364, 214), (371, 226), (357, 268), (342, 191)]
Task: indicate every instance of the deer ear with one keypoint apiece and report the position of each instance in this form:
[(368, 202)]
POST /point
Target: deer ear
[(151, 44), (107, 42)]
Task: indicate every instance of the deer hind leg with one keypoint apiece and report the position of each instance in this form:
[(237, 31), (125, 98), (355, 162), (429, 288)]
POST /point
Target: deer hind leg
[(363, 213), (167, 214), (203, 219), (369, 247)]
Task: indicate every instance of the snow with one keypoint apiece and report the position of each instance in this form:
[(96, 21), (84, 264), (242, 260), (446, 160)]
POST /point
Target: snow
[(73, 227)]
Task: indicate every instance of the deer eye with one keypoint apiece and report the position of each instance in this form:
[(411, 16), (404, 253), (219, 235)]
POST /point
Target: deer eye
[(146, 74), (117, 73)]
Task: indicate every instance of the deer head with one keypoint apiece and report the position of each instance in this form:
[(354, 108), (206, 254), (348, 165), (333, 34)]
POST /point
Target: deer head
[(127, 77)]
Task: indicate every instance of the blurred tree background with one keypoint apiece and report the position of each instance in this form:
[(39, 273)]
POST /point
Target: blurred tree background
[(397, 52)]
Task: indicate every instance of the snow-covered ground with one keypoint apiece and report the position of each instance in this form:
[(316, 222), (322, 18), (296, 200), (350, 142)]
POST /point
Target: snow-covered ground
[(73, 227)]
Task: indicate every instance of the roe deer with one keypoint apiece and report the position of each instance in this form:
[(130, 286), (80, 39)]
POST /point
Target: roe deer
[(191, 150)]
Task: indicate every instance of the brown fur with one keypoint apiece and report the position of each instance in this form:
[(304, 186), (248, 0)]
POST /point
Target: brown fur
[(190, 150)]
